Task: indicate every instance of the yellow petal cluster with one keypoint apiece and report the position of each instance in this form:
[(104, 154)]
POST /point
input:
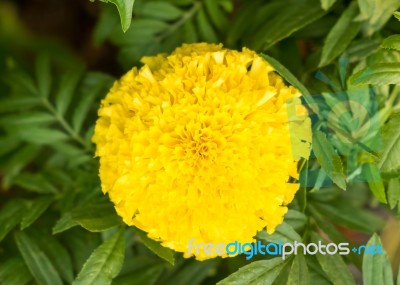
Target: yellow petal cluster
[(196, 144)]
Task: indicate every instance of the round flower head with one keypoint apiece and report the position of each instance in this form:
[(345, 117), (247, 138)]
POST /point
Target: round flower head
[(196, 146)]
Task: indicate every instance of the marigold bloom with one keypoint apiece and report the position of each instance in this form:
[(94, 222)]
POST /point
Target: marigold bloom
[(197, 144)]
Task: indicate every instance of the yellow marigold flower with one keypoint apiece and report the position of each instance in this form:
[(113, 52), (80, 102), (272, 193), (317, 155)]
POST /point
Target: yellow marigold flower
[(196, 144)]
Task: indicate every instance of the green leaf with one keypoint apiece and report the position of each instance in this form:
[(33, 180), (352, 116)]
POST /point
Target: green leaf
[(10, 215), (376, 13), (26, 119), (349, 216), (328, 159), (56, 253), (393, 193), (17, 161), (18, 103), (105, 25), (105, 262), (14, 272), (37, 262), (390, 159), (161, 10), (64, 223), (125, 11), (397, 15), (193, 273), (147, 276), (257, 272), (377, 74), (285, 73), (80, 244), (296, 219), (156, 247), (216, 15), (327, 4), (206, 30), (40, 135), (292, 16), (34, 210), (34, 182), (392, 42), (284, 232), (334, 267), (376, 268), (96, 218), (341, 35), (93, 85), (299, 271), (43, 75), (67, 88), (375, 182)]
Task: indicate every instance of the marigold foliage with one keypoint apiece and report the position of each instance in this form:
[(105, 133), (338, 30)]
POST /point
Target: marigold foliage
[(197, 144)]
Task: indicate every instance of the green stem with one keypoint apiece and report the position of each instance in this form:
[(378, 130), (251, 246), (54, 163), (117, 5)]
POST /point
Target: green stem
[(60, 119), (186, 16)]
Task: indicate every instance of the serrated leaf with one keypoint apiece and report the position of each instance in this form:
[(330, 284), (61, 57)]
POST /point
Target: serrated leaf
[(67, 88), (326, 4), (390, 158), (80, 244), (10, 215), (161, 10), (377, 74), (332, 265), (34, 210), (336, 269), (328, 159), (299, 271), (376, 268), (341, 35), (43, 76), (156, 247), (105, 262), (284, 233), (392, 42), (375, 182), (257, 272), (125, 11), (37, 262), (14, 271)]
